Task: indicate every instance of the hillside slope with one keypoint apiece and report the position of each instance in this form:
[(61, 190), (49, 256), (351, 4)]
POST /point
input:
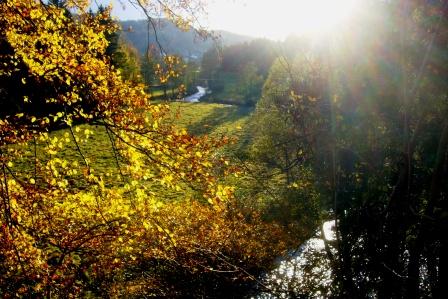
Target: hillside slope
[(174, 40)]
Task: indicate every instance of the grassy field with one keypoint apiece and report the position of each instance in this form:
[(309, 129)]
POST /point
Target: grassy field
[(96, 149), (215, 120), (198, 118)]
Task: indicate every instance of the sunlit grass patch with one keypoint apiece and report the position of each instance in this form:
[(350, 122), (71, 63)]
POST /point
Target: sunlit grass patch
[(215, 120)]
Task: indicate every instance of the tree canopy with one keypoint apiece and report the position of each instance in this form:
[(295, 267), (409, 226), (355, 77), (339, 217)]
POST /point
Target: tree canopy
[(71, 225)]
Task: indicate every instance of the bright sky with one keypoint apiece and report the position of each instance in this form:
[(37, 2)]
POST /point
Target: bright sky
[(274, 19)]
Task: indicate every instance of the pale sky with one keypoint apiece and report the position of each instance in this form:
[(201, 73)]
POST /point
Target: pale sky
[(274, 19)]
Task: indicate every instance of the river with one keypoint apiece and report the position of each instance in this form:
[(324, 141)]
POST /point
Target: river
[(194, 98), (303, 271)]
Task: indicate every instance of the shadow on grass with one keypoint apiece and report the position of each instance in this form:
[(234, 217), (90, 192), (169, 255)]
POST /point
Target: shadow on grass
[(222, 117)]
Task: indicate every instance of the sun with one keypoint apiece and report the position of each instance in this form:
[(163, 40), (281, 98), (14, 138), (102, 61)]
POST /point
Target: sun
[(319, 16), (280, 18)]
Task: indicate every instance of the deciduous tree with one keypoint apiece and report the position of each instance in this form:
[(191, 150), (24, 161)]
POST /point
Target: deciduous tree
[(71, 226)]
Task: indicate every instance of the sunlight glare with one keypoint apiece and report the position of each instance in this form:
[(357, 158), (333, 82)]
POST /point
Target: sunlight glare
[(319, 16), (280, 18)]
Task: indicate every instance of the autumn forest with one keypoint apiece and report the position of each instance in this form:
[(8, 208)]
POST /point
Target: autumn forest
[(297, 149)]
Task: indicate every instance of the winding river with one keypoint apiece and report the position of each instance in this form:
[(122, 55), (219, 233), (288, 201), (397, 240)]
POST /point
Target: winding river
[(194, 98)]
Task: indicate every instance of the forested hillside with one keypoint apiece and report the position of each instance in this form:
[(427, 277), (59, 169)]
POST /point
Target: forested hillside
[(187, 44)]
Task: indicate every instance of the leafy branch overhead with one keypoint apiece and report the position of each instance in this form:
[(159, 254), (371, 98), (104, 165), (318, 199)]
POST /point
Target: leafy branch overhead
[(68, 223)]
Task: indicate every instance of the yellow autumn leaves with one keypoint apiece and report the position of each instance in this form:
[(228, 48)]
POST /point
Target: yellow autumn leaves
[(64, 219)]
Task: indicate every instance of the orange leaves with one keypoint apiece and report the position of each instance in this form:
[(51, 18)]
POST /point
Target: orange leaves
[(80, 4), (201, 233), (172, 68)]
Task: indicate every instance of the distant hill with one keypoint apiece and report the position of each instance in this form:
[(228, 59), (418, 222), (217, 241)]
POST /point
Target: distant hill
[(174, 40)]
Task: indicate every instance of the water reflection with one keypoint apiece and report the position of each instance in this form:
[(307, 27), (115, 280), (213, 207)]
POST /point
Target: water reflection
[(304, 272)]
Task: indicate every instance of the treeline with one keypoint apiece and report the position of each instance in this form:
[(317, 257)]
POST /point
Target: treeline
[(236, 73), (139, 50)]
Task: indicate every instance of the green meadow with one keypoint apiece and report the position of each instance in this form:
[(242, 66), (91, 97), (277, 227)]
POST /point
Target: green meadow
[(215, 120)]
